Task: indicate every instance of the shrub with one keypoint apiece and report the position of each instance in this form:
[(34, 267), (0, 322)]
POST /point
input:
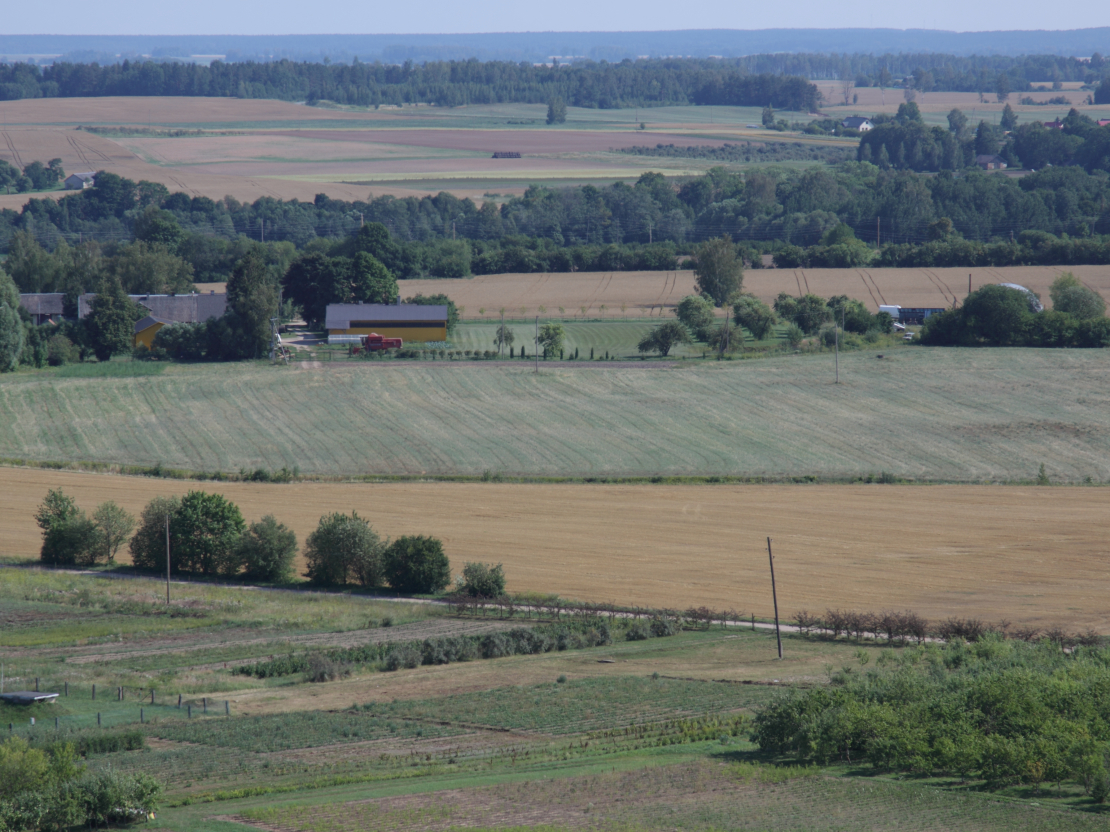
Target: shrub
[(266, 551), (481, 580), (638, 631), (323, 668), (344, 549), (406, 655), (416, 564)]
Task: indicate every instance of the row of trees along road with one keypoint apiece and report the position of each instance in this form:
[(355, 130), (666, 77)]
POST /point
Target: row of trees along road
[(208, 536)]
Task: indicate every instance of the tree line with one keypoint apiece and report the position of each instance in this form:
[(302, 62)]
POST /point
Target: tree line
[(904, 142), (562, 228), (604, 85), (207, 536)]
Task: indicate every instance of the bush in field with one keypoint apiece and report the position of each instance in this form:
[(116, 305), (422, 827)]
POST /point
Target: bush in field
[(344, 549), (148, 546), (696, 314), (664, 338), (69, 538), (1073, 298), (481, 580), (266, 551), (754, 315), (416, 564), (406, 655), (204, 535)]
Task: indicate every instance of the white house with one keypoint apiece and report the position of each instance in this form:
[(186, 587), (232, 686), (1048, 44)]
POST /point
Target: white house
[(857, 123), (80, 181)]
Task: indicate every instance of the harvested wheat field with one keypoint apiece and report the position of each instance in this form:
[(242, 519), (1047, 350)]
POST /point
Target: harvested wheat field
[(642, 294), (1029, 555)]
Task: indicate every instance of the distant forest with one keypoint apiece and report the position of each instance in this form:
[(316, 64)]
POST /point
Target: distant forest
[(446, 83)]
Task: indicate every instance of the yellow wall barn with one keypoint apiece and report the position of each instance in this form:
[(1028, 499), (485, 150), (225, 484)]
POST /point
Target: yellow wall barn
[(429, 331), (146, 336)]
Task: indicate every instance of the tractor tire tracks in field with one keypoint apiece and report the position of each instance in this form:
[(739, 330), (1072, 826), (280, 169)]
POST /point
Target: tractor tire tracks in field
[(15, 153)]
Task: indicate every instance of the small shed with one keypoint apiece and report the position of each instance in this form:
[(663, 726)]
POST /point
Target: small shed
[(80, 181), (146, 329), (991, 162), (857, 123), (28, 697)]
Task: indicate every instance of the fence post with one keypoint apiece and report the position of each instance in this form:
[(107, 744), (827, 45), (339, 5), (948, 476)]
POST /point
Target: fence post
[(36, 684), (67, 688), (227, 708), (98, 719), (55, 723), (190, 707), (94, 692), (204, 703), (141, 719), (179, 700), (152, 696)]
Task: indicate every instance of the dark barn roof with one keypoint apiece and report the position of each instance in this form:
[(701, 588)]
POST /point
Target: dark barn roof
[(42, 303), (179, 309)]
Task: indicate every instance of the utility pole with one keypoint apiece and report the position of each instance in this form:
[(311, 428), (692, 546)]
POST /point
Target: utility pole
[(774, 595), (836, 335), (537, 345), (501, 337), (167, 559)]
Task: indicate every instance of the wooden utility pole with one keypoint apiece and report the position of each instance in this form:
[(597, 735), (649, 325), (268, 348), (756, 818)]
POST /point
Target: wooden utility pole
[(167, 559), (537, 345), (774, 595)]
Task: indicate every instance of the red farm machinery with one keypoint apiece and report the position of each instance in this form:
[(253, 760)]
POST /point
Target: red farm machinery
[(376, 343)]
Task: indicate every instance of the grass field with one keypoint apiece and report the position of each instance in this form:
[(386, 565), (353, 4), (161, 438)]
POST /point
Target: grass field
[(655, 294), (940, 414), (1026, 554)]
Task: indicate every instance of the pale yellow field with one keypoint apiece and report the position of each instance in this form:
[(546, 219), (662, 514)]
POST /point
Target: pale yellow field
[(650, 294), (873, 100), (1029, 555)]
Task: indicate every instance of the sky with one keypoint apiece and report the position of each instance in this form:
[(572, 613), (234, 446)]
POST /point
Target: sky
[(125, 17)]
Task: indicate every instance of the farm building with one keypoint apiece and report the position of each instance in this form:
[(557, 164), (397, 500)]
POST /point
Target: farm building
[(166, 309), (410, 322), (991, 162), (43, 306), (80, 181), (857, 123)]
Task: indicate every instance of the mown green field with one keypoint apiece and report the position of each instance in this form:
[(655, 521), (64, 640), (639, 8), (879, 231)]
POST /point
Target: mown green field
[(932, 414)]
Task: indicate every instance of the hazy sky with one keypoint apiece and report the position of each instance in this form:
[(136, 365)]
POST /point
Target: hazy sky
[(432, 16)]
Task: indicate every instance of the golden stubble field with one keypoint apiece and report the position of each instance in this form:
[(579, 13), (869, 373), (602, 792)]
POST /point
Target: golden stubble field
[(1029, 555), (644, 294)]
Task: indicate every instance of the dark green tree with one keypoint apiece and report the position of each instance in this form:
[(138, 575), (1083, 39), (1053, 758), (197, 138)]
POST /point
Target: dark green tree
[(1009, 118), (550, 340), (482, 580), (664, 338), (957, 122), (266, 551), (416, 564), (253, 298), (719, 272), (11, 325), (1070, 296), (754, 315), (371, 282), (110, 324), (344, 549), (696, 314), (114, 525), (204, 535), (148, 545), (556, 111)]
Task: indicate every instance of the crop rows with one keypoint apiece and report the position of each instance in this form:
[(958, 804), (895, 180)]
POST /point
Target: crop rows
[(940, 414), (697, 796), (582, 705), (280, 732)]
